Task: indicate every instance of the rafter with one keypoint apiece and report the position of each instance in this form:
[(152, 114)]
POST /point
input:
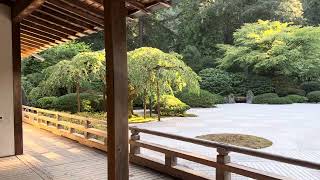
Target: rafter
[(23, 8)]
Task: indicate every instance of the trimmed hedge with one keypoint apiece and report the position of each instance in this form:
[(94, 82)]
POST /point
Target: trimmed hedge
[(205, 99), (216, 81), (297, 98), (46, 102), (218, 99), (279, 100), (89, 103), (263, 98), (172, 106), (311, 86), (271, 98), (314, 96), (290, 91)]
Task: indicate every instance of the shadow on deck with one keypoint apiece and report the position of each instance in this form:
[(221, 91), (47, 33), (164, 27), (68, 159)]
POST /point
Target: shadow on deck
[(47, 156)]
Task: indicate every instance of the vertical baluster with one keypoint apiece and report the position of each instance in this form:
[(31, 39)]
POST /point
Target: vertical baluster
[(58, 118), (134, 137), (37, 115), (170, 160), (223, 158), (86, 126)]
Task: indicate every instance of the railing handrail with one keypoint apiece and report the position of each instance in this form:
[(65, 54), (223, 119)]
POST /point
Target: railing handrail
[(74, 127), (231, 148), (67, 115)]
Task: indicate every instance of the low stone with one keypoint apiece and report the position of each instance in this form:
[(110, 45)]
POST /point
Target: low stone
[(250, 97)]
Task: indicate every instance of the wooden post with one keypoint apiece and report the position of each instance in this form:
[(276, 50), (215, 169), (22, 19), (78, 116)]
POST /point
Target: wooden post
[(134, 137), (117, 89), (170, 160), (222, 158), (16, 61), (87, 125)]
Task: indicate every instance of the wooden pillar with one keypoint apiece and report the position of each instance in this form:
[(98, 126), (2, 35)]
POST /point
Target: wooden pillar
[(117, 89), (16, 61), (222, 158)]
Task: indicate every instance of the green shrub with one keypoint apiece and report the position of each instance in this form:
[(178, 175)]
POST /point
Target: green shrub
[(297, 98), (314, 96), (172, 106), (205, 99), (271, 98), (263, 98), (46, 102), (310, 86), (218, 99), (257, 84), (89, 102), (216, 81), (34, 95), (290, 91), (279, 100)]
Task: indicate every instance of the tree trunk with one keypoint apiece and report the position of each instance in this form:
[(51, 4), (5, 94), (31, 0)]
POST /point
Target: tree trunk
[(144, 103), (78, 97), (150, 105), (158, 100)]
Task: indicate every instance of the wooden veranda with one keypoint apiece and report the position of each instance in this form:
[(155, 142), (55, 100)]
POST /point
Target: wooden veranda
[(41, 24)]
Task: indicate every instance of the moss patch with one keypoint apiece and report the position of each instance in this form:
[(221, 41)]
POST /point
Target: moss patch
[(242, 140), (139, 119), (102, 116)]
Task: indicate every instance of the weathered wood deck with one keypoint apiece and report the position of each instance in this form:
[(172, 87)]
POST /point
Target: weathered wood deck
[(50, 157)]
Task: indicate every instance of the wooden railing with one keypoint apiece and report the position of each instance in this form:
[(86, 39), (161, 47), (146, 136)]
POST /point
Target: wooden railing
[(222, 163), (81, 129)]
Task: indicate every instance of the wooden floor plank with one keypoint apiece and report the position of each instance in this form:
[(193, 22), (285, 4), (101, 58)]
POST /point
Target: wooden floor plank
[(50, 157)]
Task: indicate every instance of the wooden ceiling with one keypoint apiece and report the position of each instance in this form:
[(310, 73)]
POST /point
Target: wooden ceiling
[(46, 23)]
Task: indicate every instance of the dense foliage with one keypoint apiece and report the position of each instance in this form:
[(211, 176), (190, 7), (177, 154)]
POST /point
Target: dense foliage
[(271, 98), (89, 102), (290, 91), (46, 102), (172, 106), (216, 81), (273, 49), (263, 98), (221, 82), (311, 86), (314, 97), (204, 99), (297, 99)]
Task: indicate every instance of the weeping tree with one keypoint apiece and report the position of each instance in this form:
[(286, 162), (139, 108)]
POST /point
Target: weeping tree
[(72, 74), (154, 73)]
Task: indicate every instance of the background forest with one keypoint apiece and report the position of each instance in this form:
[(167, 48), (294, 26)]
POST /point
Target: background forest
[(231, 46)]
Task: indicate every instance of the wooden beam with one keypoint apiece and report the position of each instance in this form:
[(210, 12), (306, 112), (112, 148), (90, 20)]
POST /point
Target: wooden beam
[(76, 11), (64, 24), (31, 45), (117, 89), (84, 7), (16, 61), (139, 6), (47, 30), (37, 39), (43, 34), (35, 42), (23, 8), (49, 24), (66, 17)]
